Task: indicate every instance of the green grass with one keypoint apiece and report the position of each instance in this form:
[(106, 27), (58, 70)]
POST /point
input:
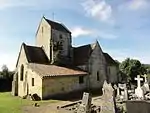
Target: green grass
[(11, 104)]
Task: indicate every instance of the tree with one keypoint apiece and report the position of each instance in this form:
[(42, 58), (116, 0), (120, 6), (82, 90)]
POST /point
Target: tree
[(6, 74), (132, 68)]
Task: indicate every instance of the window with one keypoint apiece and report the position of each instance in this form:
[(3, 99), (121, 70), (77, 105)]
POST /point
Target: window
[(32, 81), (98, 79), (21, 72), (81, 79)]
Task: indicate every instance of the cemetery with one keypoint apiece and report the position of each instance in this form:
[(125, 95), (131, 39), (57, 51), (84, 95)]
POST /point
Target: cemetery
[(119, 98), (122, 97)]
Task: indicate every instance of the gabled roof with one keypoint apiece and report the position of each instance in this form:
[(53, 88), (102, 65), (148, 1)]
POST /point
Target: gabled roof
[(109, 59), (53, 70), (82, 54), (57, 26), (35, 54)]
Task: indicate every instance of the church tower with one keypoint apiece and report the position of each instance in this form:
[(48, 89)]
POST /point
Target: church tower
[(56, 41)]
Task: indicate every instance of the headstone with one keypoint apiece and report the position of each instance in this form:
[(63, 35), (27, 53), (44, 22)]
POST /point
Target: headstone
[(14, 91), (108, 105), (124, 94), (138, 91), (146, 85), (85, 106), (118, 91)]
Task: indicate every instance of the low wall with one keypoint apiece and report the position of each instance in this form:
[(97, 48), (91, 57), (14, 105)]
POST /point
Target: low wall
[(138, 106)]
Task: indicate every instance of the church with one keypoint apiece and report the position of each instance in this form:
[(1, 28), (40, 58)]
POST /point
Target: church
[(54, 67)]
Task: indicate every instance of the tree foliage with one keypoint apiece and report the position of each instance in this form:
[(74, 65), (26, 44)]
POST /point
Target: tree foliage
[(132, 68), (5, 73)]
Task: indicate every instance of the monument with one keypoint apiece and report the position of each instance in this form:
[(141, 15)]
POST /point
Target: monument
[(108, 105), (138, 91), (85, 106), (146, 85), (124, 93)]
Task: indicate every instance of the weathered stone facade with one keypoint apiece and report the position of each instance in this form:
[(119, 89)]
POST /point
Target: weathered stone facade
[(54, 67)]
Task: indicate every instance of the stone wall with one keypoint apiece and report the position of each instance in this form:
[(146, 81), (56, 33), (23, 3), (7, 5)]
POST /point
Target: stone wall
[(60, 85), (43, 36), (112, 72), (97, 67), (21, 61), (37, 88), (61, 46)]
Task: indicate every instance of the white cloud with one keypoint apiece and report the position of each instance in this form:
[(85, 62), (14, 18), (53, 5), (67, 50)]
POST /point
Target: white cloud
[(134, 5), (98, 9), (138, 4), (81, 31)]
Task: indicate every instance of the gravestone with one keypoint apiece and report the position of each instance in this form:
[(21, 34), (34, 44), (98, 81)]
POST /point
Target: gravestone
[(14, 91), (85, 106), (108, 105), (124, 94), (138, 91), (146, 85), (118, 90)]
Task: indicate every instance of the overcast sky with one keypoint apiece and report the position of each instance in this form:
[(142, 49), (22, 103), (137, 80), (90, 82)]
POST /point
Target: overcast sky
[(121, 26)]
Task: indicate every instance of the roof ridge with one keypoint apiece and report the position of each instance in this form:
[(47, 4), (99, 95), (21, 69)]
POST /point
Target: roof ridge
[(82, 46), (53, 21), (57, 25), (32, 45)]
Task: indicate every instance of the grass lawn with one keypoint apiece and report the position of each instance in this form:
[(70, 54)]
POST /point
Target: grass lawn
[(11, 104)]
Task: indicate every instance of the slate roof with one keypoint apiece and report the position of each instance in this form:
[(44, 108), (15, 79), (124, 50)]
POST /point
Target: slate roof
[(58, 26), (35, 54), (82, 54), (109, 59), (53, 70)]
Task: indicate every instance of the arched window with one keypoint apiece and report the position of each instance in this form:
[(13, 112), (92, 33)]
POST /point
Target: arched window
[(21, 72), (98, 79)]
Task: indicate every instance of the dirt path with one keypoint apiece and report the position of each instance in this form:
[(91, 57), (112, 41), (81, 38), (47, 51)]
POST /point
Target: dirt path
[(45, 108)]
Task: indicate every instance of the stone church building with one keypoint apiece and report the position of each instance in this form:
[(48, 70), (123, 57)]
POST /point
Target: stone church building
[(53, 66)]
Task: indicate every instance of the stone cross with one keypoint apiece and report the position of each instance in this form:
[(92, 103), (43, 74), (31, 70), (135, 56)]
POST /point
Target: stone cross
[(139, 80), (138, 91)]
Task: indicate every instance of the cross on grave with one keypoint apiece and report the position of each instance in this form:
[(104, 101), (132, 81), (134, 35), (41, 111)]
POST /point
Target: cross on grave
[(139, 81), (138, 91)]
